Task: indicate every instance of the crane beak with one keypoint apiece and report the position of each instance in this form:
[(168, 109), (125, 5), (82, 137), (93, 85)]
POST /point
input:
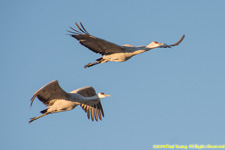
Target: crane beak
[(107, 95)]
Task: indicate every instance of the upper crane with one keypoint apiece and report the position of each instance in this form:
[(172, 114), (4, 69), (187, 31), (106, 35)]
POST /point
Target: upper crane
[(111, 51)]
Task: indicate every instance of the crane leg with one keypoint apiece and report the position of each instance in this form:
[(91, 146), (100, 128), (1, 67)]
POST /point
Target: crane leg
[(34, 118), (92, 64)]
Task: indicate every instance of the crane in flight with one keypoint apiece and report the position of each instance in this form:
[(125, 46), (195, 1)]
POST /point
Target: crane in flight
[(57, 100), (111, 51)]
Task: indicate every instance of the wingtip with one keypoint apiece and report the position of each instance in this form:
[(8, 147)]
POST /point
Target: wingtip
[(32, 100), (82, 29)]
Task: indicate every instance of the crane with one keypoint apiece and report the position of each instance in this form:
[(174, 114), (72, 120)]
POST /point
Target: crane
[(57, 100), (111, 51)]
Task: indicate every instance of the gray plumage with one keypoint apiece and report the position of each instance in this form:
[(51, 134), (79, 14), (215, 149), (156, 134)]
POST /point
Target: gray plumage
[(111, 51)]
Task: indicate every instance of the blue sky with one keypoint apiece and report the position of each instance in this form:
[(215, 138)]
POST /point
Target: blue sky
[(164, 96)]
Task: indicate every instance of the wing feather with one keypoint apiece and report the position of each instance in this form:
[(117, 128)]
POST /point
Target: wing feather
[(83, 28), (88, 114), (80, 28), (100, 105), (95, 44), (94, 111), (99, 112), (49, 93)]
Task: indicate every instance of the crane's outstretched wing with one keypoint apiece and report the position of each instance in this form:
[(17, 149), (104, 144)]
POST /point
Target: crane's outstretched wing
[(175, 44), (95, 44), (48, 93), (94, 108)]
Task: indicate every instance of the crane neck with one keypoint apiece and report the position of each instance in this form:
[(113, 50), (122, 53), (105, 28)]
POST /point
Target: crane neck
[(141, 49)]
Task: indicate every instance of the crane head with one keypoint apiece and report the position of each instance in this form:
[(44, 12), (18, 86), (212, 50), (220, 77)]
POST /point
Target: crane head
[(102, 95), (154, 44)]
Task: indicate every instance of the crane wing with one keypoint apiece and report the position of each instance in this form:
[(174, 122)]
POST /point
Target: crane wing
[(85, 91), (95, 44), (93, 109), (49, 93)]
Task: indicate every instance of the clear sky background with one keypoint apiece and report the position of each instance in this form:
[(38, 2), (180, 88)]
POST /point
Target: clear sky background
[(164, 96)]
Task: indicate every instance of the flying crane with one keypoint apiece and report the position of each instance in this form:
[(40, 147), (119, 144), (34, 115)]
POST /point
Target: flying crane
[(57, 100), (111, 51)]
